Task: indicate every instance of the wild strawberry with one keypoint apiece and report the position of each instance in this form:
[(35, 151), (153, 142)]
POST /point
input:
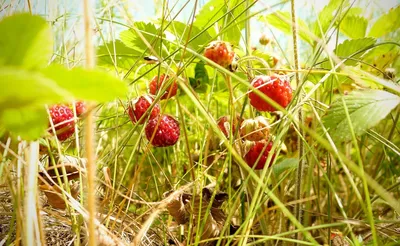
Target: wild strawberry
[(162, 131), (259, 151), (224, 123), (255, 129), (80, 108), (157, 83), (139, 107), (264, 40), (276, 88), (220, 52), (63, 121)]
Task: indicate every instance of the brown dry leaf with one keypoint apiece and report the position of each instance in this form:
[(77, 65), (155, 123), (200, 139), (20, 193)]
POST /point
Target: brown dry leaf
[(72, 169), (54, 196), (176, 208), (215, 216)]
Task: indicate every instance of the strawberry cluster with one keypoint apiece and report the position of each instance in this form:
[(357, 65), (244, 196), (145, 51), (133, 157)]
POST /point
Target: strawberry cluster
[(62, 118), (161, 130)]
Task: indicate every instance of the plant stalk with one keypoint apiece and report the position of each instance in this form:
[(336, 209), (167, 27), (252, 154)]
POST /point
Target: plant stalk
[(300, 169), (89, 131)]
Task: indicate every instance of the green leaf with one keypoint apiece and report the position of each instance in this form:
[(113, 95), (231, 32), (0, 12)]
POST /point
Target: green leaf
[(149, 32), (25, 41), (286, 164), (21, 88), (281, 20), (116, 54), (326, 16), (91, 85), (350, 47), (366, 109), (380, 57), (234, 11), (387, 23), (29, 122), (181, 30), (354, 26)]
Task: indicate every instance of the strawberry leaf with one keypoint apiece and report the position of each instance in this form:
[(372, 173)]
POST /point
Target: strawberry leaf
[(29, 122), (21, 88), (282, 21), (349, 47), (25, 41), (91, 85), (366, 109), (186, 33), (354, 26), (116, 54), (386, 24)]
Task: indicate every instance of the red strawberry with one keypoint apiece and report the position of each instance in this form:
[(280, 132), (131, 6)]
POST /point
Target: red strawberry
[(157, 83), (224, 124), (220, 52), (260, 151), (80, 108), (165, 129), (276, 88), (255, 129), (139, 106), (63, 121)]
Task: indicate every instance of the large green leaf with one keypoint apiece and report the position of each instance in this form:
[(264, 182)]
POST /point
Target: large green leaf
[(92, 85), (25, 40), (366, 109), (354, 26), (381, 57), (282, 21), (233, 12), (21, 88), (150, 34), (350, 47), (29, 122), (185, 33), (326, 16), (117, 54), (386, 23)]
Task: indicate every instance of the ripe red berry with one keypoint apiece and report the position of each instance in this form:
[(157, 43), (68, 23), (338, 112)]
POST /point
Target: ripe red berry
[(165, 129), (63, 121), (259, 151), (276, 88), (224, 123), (139, 106), (80, 108), (220, 52), (157, 83)]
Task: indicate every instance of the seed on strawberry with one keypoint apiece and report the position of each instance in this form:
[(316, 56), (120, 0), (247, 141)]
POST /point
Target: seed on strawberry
[(255, 129), (80, 108), (276, 88), (162, 131), (139, 107), (258, 154), (63, 121), (224, 123), (220, 52), (157, 83), (264, 40)]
